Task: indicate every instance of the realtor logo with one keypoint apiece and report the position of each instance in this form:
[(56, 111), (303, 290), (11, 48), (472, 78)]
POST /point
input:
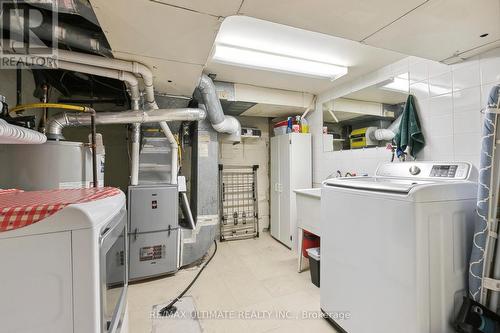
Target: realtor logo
[(28, 33)]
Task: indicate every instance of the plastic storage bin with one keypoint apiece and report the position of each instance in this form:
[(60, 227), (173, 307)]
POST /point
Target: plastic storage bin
[(309, 240), (280, 128), (314, 264)]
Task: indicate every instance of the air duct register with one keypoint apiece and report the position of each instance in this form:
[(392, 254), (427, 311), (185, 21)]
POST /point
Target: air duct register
[(250, 133)]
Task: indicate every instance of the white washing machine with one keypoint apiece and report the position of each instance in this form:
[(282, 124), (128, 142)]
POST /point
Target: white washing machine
[(395, 247), (67, 272)]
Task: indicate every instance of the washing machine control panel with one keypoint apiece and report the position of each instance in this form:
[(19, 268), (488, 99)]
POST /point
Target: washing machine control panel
[(425, 170), (447, 171)]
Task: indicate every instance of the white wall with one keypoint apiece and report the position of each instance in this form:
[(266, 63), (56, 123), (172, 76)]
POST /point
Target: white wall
[(449, 100), (251, 152)]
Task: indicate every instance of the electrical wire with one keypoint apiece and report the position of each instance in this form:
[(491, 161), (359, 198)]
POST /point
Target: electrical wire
[(170, 308)]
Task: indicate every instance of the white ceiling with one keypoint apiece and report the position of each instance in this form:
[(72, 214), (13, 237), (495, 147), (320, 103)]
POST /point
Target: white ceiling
[(432, 29), (441, 28), (174, 42), (281, 39), (175, 37), (353, 19)]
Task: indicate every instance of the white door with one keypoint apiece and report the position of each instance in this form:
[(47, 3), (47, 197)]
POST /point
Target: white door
[(285, 214), (275, 183), (300, 175)]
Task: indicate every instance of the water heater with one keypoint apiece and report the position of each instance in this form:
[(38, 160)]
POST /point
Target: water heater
[(52, 165)]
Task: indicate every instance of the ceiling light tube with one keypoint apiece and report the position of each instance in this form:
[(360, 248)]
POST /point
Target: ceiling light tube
[(274, 62)]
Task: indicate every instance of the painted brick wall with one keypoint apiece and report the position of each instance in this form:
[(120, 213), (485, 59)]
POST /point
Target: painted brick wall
[(250, 152)]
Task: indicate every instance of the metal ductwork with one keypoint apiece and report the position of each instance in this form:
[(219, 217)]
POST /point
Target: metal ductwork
[(70, 35), (62, 120), (220, 122)]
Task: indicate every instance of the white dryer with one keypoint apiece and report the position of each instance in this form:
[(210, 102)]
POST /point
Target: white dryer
[(67, 272), (395, 247)]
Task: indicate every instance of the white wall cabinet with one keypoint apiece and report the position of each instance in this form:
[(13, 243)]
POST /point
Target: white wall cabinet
[(291, 169)]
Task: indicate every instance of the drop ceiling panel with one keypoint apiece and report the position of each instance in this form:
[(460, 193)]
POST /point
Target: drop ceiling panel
[(441, 28), (184, 77), (349, 19), (213, 7), (156, 30)]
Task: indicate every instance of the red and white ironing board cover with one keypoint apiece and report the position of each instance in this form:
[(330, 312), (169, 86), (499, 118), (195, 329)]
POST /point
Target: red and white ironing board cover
[(19, 209)]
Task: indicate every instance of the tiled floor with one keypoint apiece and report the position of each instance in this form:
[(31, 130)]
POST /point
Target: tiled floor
[(248, 277)]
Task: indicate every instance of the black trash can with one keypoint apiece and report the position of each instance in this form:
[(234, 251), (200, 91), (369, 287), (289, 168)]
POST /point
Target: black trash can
[(314, 264)]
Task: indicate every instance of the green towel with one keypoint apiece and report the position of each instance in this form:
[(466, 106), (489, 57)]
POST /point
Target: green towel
[(409, 134)]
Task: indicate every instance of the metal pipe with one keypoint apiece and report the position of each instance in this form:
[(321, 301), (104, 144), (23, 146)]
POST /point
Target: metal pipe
[(62, 120), (44, 99), (19, 85), (220, 122), (186, 210), (94, 149)]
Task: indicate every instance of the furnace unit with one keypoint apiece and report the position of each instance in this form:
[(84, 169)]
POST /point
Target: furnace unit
[(153, 230)]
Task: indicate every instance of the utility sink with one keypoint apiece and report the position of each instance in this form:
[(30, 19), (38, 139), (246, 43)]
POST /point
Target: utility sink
[(309, 209)]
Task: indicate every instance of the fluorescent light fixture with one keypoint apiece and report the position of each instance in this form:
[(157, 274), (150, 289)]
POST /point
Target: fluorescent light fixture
[(400, 83), (275, 62)]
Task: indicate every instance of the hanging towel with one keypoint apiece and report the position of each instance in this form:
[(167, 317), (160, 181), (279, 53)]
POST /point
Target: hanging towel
[(409, 134)]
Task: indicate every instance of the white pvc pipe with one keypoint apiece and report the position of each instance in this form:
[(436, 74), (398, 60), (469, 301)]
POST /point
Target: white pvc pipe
[(126, 66), (174, 147), (134, 155), (147, 77), (123, 65), (119, 73), (12, 134), (129, 78)]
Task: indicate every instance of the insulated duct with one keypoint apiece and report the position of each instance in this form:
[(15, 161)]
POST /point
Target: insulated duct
[(12, 134), (62, 120), (220, 122)]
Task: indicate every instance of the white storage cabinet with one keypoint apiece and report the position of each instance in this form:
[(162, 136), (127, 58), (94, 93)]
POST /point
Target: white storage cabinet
[(291, 169)]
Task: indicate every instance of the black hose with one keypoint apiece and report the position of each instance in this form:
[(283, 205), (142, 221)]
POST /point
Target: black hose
[(170, 309)]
